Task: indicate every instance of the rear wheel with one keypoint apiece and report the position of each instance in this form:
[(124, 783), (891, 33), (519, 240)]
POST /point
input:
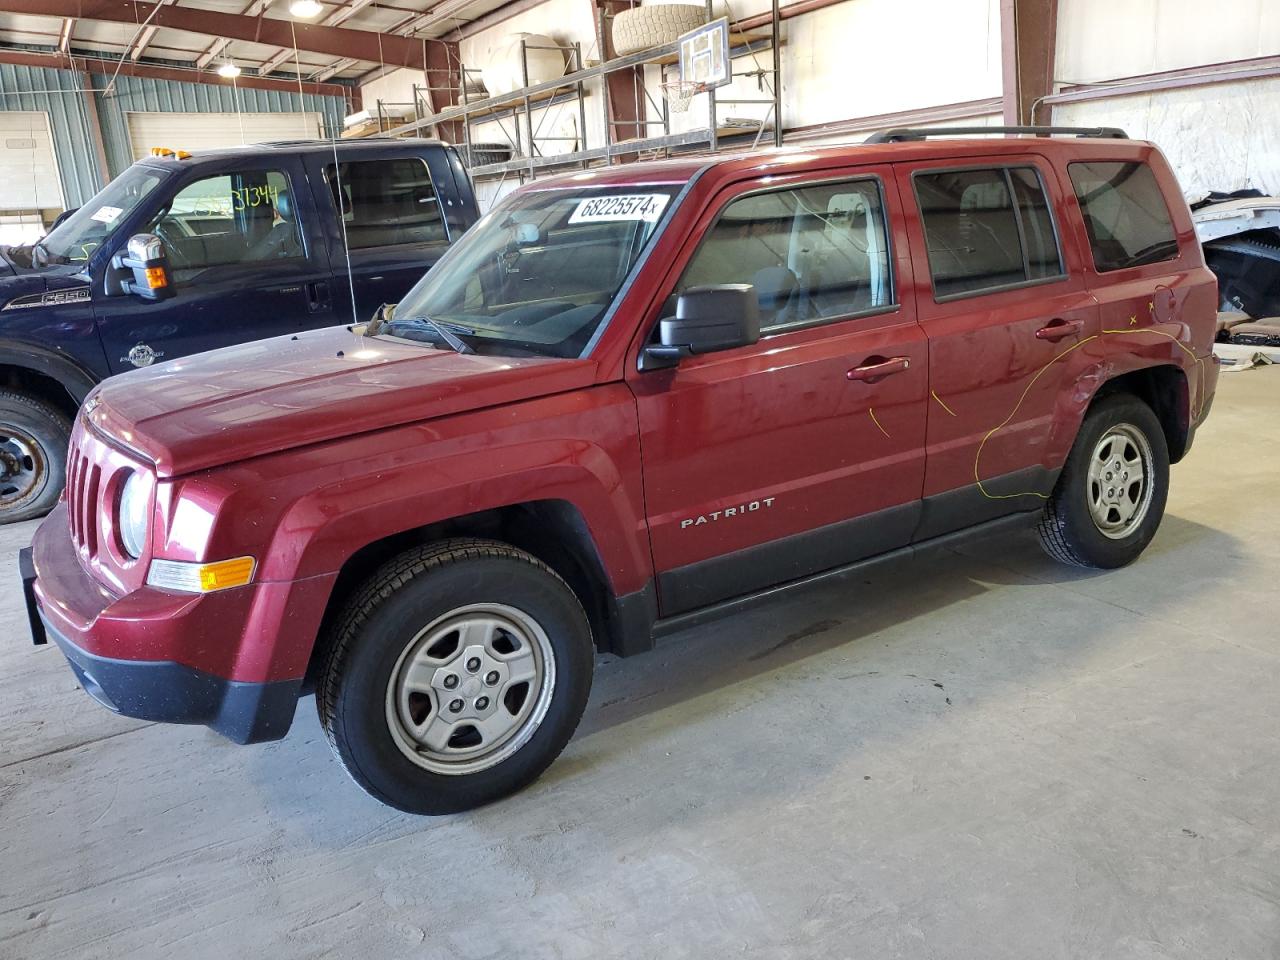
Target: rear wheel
[(33, 456), (1110, 498), (456, 676)]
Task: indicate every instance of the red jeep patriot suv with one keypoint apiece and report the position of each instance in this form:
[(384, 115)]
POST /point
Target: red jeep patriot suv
[(629, 399)]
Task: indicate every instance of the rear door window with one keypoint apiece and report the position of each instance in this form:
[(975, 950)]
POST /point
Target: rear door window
[(986, 229), (1125, 214), (386, 202)]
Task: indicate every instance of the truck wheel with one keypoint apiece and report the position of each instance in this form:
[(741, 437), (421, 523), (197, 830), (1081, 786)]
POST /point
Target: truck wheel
[(455, 676), (1110, 497), (33, 456)]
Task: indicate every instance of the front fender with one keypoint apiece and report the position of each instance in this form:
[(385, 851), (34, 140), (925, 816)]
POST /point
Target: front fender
[(303, 513)]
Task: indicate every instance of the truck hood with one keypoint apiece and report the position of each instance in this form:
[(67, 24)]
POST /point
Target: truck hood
[(228, 405)]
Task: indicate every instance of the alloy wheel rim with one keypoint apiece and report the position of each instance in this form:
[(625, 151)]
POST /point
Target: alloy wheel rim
[(1119, 481), (470, 689), (22, 465)]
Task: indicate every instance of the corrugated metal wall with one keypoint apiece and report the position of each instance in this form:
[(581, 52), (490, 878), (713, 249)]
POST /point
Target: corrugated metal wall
[(168, 96), (58, 93)]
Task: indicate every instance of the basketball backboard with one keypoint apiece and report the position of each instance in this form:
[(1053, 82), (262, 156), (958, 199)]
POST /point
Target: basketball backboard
[(704, 55)]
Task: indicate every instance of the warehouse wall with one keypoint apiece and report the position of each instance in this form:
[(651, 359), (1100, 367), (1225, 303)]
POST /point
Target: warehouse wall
[(1222, 136), (836, 64), (168, 96), (59, 93)]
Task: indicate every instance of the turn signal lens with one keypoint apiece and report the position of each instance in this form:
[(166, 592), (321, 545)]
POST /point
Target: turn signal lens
[(200, 577), (157, 278)]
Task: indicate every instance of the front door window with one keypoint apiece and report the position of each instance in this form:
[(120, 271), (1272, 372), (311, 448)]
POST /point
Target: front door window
[(232, 218)]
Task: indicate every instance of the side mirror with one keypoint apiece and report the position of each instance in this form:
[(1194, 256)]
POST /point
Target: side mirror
[(717, 317), (142, 270), (60, 218)]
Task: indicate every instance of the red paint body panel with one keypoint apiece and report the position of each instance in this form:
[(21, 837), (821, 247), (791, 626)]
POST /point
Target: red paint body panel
[(301, 452)]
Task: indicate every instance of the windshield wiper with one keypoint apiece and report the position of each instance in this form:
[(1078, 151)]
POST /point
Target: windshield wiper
[(443, 330)]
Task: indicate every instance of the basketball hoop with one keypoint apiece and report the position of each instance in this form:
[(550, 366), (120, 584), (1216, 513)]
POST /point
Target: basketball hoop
[(680, 93)]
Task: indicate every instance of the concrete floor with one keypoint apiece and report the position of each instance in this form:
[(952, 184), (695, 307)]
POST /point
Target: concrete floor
[(983, 755)]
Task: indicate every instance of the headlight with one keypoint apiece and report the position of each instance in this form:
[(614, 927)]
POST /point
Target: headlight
[(132, 515)]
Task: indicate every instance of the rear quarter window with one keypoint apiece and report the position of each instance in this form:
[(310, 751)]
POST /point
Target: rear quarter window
[(1125, 214)]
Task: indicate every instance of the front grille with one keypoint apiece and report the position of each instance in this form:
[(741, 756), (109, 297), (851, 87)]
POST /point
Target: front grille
[(96, 469), (84, 483)]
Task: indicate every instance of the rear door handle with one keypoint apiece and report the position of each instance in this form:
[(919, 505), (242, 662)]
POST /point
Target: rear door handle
[(876, 368), (1060, 329)]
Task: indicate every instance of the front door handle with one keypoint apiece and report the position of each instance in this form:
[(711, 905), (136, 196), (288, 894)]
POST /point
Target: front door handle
[(317, 295), (1059, 329), (875, 368)]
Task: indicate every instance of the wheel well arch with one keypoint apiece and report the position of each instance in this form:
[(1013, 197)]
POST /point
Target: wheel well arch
[(40, 385), (553, 531), (1164, 389)]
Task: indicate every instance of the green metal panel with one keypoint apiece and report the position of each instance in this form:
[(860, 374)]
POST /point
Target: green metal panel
[(60, 94), (168, 96)]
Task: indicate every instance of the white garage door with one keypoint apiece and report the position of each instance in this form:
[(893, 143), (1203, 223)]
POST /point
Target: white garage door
[(205, 131), (28, 170)]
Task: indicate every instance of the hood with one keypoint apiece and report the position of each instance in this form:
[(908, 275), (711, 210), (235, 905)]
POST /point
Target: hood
[(229, 405)]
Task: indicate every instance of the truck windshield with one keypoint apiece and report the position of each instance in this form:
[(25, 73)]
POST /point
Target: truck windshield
[(75, 239), (537, 274)]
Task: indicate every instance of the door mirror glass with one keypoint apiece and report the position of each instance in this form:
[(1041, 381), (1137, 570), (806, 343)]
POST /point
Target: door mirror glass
[(142, 270), (708, 318)]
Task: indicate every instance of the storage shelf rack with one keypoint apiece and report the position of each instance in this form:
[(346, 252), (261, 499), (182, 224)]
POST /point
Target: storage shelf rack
[(517, 108)]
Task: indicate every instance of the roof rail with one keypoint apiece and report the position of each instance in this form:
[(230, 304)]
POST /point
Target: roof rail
[(922, 133)]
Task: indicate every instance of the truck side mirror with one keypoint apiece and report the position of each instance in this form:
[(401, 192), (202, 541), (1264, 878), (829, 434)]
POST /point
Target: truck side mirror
[(142, 270), (715, 317)]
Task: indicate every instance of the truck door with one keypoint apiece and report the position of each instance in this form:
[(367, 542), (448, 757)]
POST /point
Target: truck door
[(244, 265), (385, 217), (804, 451)]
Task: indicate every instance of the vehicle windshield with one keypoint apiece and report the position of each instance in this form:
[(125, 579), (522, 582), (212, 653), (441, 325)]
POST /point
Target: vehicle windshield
[(75, 239), (536, 275)]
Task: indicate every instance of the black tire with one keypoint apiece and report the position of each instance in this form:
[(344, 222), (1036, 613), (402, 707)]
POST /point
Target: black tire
[(1068, 530), (33, 456), (379, 628)]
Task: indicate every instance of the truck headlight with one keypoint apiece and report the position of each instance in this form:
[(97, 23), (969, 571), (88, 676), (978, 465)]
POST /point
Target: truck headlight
[(132, 519)]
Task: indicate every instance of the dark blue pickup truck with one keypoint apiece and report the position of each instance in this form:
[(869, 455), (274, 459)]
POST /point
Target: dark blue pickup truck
[(239, 244)]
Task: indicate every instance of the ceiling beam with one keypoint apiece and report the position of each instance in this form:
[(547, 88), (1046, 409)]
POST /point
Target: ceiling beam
[(317, 38), (64, 38), (252, 10), (336, 67), (342, 14), (144, 37), (104, 66)]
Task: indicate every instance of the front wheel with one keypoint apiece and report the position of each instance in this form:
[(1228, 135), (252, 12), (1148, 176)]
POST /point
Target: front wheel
[(456, 675), (1110, 498), (33, 456)]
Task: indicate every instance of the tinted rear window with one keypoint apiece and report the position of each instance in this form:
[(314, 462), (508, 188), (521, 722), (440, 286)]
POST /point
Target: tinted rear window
[(986, 229), (1125, 214)]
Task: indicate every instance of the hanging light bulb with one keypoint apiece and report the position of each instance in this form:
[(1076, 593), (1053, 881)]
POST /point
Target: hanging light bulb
[(306, 9), (229, 70)]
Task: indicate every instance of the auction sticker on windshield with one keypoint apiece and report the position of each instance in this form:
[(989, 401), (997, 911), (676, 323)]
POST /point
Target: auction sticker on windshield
[(632, 206), (106, 214)]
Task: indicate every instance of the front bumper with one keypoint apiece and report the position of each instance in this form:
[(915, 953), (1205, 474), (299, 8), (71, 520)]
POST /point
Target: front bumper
[(232, 660), (169, 692)]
